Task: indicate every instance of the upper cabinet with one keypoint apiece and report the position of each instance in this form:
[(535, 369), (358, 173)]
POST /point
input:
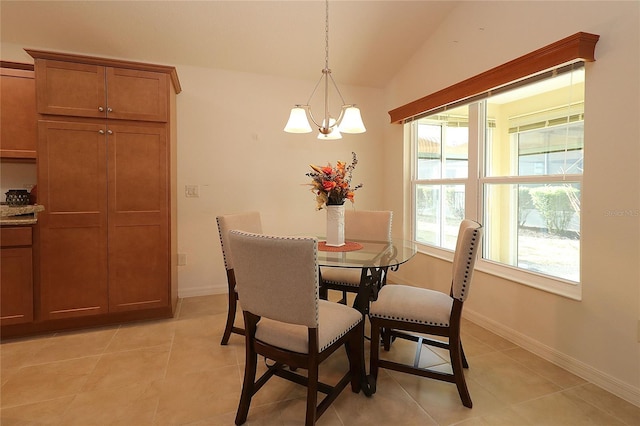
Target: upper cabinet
[(102, 88), (18, 129)]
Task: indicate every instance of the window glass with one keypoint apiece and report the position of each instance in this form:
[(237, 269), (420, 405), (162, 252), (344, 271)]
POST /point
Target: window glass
[(525, 183), (537, 129), (443, 145), (535, 227), (440, 209)]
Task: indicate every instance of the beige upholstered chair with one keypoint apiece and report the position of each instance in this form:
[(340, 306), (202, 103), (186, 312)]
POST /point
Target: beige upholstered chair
[(249, 221), (277, 281), (404, 308), (358, 225)]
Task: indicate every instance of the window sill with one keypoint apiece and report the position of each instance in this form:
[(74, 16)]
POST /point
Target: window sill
[(558, 286)]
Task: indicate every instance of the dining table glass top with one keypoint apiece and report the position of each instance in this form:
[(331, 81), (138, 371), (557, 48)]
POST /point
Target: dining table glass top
[(372, 254)]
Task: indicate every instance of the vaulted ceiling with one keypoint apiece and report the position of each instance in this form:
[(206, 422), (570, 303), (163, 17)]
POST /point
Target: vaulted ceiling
[(368, 39)]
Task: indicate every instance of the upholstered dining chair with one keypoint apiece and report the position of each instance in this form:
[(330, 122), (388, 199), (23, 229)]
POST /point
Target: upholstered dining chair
[(365, 225), (246, 221), (400, 309), (287, 323)]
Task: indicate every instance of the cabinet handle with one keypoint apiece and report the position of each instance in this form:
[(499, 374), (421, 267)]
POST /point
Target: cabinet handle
[(109, 109), (100, 109), (101, 131), (109, 132)]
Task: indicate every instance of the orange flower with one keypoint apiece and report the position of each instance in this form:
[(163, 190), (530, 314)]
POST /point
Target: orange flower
[(328, 185), (327, 170)]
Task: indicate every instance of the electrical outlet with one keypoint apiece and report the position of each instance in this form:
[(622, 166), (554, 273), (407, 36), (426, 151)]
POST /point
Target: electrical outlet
[(182, 259), (191, 191)]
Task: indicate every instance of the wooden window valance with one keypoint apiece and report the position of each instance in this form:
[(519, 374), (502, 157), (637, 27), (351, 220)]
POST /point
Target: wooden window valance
[(580, 46)]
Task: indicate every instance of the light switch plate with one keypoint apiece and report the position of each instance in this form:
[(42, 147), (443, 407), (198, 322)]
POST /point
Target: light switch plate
[(191, 191)]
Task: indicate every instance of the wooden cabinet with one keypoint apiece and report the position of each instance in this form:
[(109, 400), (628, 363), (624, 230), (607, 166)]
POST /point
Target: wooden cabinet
[(72, 185), (17, 113), (107, 181), (138, 217), (105, 234), (16, 275), (88, 90)]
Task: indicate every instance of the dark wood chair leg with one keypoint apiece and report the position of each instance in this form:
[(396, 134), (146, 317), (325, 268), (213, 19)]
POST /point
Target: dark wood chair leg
[(386, 338), (375, 348), (248, 386), (231, 316), (312, 393), (355, 351), (455, 350), (465, 364)]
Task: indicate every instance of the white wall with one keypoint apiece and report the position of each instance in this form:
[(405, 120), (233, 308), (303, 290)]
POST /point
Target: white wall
[(597, 337), (231, 144)]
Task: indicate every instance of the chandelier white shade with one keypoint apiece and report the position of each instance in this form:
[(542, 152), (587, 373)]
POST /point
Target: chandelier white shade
[(298, 122), (349, 120)]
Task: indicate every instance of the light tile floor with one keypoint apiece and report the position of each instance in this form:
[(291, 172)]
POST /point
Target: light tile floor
[(174, 372)]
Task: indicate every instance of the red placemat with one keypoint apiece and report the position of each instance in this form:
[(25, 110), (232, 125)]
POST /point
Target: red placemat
[(348, 246)]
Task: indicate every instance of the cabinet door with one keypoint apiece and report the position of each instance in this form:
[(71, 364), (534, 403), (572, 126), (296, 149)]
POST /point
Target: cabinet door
[(16, 276), (137, 95), (139, 268), (72, 185), (68, 88), (17, 114)]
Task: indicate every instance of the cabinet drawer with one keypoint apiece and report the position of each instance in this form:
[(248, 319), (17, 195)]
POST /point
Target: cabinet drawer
[(16, 236)]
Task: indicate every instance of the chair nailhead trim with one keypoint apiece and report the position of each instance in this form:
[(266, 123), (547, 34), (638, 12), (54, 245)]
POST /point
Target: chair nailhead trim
[(469, 262), (390, 317), (339, 336), (340, 283), (224, 252)]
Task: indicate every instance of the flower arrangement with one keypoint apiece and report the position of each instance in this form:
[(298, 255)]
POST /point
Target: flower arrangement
[(332, 185)]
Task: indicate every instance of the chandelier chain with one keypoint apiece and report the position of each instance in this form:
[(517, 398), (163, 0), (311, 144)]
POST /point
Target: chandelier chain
[(328, 127), (326, 35)]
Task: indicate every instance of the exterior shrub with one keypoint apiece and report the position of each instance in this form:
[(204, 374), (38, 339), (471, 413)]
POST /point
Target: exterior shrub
[(554, 205)]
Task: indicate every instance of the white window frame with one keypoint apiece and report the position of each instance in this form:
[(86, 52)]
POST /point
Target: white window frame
[(474, 206)]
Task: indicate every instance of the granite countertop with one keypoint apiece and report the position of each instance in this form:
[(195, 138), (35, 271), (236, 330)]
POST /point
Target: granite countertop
[(20, 215)]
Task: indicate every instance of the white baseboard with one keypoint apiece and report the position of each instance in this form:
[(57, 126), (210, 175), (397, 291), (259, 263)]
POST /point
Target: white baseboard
[(201, 291), (579, 368)]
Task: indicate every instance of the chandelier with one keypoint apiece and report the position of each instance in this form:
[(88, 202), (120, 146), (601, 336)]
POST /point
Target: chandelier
[(349, 120)]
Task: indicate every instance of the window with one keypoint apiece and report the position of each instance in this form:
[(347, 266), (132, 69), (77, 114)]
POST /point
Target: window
[(514, 161), (442, 157)]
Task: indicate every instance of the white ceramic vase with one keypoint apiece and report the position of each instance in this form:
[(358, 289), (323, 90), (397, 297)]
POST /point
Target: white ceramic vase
[(335, 225)]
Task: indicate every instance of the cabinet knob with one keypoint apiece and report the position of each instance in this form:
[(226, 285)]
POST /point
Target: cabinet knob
[(109, 132), (109, 109), (101, 131), (100, 109)]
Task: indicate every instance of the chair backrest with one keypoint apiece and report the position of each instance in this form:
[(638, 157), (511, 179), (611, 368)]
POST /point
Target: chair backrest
[(367, 225), (277, 277), (464, 258), (249, 221)]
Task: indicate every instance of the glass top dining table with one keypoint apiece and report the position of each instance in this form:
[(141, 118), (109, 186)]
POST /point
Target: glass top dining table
[(373, 258), (366, 253)]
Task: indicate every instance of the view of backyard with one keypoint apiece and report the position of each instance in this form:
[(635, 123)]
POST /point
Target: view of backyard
[(539, 251)]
